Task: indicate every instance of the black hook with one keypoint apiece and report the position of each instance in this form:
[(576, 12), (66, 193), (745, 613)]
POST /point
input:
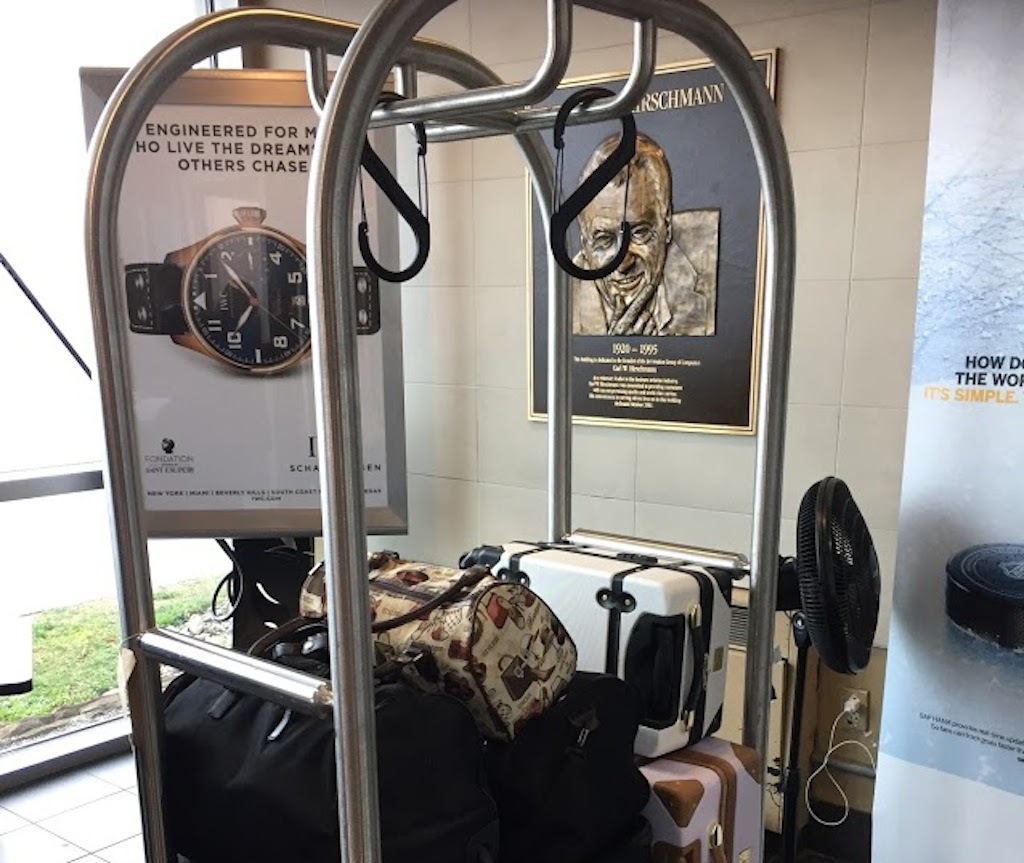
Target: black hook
[(563, 215), (417, 220)]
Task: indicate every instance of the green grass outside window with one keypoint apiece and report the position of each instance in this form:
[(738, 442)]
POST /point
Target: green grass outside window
[(75, 649)]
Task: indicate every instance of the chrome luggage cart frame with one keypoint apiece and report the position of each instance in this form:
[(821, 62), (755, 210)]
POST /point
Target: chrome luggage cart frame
[(385, 40)]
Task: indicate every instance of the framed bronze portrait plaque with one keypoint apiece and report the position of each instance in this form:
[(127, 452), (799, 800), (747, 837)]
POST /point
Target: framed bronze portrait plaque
[(670, 339)]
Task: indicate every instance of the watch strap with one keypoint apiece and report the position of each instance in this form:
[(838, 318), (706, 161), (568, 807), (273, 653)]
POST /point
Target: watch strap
[(154, 299)]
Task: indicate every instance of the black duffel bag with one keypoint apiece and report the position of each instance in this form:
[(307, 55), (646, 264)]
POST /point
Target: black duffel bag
[(568, 788), (248, 780)]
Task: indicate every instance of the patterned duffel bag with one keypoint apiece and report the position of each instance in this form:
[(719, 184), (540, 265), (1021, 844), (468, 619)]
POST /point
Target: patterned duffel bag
[(494, 645)]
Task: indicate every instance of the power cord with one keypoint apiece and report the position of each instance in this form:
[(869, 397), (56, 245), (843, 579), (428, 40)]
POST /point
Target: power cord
[(851, 707), (234, 584)]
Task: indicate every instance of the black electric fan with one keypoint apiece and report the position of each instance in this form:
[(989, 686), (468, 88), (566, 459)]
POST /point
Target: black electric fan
[(836, 571)]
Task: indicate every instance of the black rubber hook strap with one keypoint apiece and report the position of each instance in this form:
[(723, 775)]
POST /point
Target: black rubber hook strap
[(417, 220), (602, 175)]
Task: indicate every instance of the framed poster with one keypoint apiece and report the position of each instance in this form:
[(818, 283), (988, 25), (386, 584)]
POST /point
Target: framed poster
[(670, 339), (211, 238)]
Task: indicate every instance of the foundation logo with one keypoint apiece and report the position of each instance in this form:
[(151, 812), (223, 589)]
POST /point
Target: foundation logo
[(170, 462)]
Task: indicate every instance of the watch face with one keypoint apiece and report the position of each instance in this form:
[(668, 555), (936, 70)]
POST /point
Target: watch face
[(246, 301)]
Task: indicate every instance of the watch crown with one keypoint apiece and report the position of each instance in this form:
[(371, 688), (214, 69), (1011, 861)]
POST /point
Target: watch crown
[(249, 217)]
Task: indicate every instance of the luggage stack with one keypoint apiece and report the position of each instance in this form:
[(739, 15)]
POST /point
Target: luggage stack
[(541, 704), (661, 627)]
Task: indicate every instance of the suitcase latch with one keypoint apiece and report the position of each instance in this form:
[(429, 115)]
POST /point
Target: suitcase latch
[(616, 600), (513, 576)]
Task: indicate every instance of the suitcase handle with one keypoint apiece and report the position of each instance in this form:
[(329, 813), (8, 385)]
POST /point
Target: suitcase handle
[(698, 683)]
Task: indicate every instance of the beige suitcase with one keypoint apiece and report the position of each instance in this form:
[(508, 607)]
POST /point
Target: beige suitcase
[(705, 804)]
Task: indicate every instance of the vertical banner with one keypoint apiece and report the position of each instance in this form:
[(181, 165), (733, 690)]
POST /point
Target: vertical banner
[(951, 775), (212, 236)]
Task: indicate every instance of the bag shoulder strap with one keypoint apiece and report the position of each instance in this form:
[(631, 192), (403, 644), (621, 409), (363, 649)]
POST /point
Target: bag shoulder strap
[(285, 630)]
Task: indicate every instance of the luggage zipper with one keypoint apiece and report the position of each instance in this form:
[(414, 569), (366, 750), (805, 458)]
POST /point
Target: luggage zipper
[(720, 835), (404, 592)]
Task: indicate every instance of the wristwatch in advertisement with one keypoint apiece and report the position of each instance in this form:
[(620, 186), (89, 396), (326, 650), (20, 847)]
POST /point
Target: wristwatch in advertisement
[(238, 296)]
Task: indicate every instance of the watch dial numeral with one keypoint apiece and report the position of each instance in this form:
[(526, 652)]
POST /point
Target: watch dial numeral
[(258, 354), (298, 325), (280, 341), (234, 338), (275, 257), (214, 325), (227, 256), (296, 278)]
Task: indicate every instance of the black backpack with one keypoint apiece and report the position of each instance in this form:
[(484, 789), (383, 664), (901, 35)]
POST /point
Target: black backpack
[(246, 779), (568, 788)]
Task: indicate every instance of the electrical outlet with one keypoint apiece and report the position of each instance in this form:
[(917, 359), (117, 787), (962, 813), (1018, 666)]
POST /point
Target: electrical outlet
[(859, 720)]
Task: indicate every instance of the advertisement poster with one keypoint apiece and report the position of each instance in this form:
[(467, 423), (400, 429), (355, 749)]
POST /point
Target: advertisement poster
[(951, 777), (670, 338), (212, 242)]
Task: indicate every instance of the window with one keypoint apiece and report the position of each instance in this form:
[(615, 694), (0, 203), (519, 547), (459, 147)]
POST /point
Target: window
[(51, 408), (57, 549)]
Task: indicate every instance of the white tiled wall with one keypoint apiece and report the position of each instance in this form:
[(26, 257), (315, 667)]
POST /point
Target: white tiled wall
[(853, 93)]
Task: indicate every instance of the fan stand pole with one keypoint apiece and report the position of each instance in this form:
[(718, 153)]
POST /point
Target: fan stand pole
[(791, 779)]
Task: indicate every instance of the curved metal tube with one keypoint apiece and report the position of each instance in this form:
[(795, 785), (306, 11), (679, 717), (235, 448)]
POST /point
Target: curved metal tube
[(645, 58), (499, 96), (711, 34), (332, 187), (534, 119), (316, 78), (110, 150)]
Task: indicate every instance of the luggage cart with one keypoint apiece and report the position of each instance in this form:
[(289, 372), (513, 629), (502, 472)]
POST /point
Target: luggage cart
[(385, 40)]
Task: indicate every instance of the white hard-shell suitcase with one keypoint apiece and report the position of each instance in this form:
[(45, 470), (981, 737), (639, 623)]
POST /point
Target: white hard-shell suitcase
[(661, 626)]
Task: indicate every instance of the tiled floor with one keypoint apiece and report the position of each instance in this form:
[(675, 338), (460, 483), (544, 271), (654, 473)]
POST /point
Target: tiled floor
[(91, 814)]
